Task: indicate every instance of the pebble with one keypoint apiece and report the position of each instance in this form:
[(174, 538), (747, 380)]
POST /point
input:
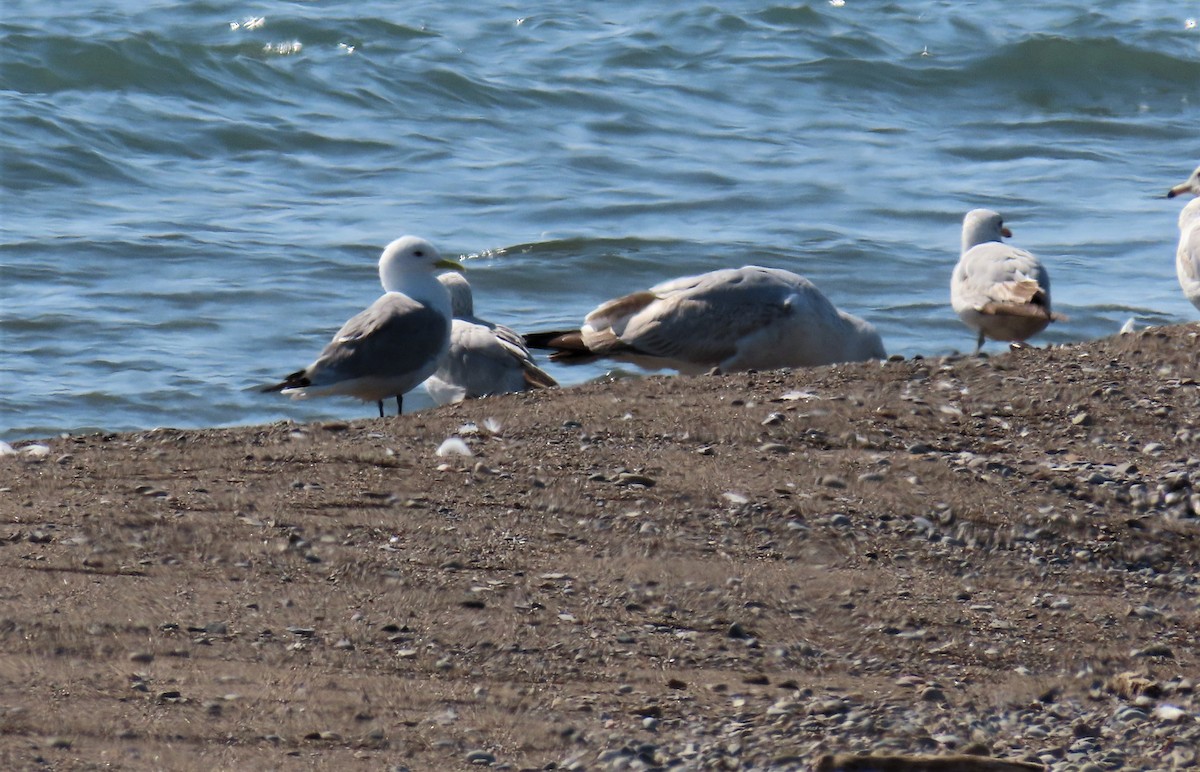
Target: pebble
[(326, 736), (481, 758), (828, 707), (628, 478), (932, 694), (1129, 713), (1170, 714)]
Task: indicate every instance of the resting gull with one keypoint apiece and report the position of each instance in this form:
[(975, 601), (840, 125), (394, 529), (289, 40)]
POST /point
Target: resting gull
[(483, 358), (1001, 292), (1187, 256), (747, 318), (396, 343)]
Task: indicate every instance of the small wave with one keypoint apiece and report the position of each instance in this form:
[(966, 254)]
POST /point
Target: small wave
[(151, 62), (462, 88), (139, 62), (1060, 72), (997, 150), (792, 16), (71, 152), (1096, 76), (614, 245)]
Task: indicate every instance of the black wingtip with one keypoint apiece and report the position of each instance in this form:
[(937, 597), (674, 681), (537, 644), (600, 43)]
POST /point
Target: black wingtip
[(296, 380), (573, 357), (567, 346), (554, 339)]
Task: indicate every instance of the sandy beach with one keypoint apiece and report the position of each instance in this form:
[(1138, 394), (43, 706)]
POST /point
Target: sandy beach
[(993, 557)]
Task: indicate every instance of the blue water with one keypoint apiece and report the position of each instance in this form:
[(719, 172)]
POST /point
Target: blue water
[(195, 194)]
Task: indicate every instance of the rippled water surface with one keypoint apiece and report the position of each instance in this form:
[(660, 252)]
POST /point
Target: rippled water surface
[(195, 194)]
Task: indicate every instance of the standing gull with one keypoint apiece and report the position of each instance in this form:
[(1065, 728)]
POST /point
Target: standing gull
[(999, 291), (393, 345), (1187, 256), (747, 318), (483, 358)]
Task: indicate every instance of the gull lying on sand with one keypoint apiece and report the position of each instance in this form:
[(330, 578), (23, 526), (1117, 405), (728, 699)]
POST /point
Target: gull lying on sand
[(733, 319), (1187, 256), (483, 358), (393, 345), (1001, 292)]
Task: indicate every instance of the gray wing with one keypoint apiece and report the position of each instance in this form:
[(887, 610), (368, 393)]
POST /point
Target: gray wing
[(509, 337), (480, 362), (994, 276), (393, 337), (703, 319)]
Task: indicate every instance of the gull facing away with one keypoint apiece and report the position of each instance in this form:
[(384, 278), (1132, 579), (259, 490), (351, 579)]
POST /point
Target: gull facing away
[(483, 358), (1187, 256), (733, 319), (393, 345), (1001, 292)]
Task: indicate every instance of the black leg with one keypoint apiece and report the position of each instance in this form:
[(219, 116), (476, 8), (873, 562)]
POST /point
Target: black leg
[(979, 344), (399, 404), (381, 408)]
